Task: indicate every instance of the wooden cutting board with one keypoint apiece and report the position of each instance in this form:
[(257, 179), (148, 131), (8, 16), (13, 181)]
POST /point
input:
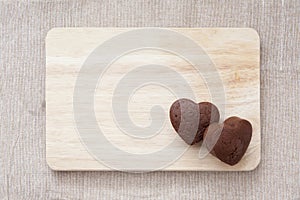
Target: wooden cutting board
[(229, 76)]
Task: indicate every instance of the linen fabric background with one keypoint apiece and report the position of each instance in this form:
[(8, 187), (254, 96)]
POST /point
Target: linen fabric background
[(24, 173)]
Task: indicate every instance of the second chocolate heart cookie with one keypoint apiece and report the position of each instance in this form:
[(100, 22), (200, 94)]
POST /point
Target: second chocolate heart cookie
[(190, 119), (228, 141)]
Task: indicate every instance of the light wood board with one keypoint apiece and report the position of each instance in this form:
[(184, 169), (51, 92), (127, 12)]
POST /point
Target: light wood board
[(234, 52)]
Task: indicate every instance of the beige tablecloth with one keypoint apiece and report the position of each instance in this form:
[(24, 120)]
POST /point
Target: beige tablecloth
[(24, 173)]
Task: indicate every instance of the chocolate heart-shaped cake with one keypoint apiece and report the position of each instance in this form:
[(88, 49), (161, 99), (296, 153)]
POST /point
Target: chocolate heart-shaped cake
[(230, 140), (190, 119)]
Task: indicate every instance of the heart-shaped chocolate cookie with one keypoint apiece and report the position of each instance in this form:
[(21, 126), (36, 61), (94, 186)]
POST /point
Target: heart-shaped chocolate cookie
[(230, 140), (190, 119)]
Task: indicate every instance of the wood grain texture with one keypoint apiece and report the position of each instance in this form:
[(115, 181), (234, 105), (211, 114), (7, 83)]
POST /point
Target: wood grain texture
[(234, 52), (24, 173)]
